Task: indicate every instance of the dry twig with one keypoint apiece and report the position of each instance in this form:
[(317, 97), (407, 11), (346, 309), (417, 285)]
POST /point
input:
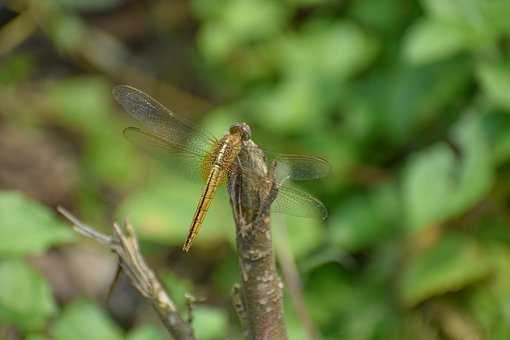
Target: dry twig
[(125, 245)]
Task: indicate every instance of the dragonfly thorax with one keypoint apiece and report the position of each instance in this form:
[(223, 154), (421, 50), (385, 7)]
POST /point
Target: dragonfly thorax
[(223, 155)]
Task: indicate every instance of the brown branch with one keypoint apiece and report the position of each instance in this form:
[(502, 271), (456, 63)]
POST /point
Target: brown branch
[(125, 245), (260, 298)]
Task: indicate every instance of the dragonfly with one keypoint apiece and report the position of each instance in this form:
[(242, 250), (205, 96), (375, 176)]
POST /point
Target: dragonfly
[(212, 160)]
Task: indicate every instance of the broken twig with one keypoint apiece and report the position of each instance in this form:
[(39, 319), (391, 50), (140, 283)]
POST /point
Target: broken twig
[(125, 245)]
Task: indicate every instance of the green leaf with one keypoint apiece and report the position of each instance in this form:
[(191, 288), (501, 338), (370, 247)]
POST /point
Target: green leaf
[(147, 332), (25, 296), (437, 186), (325, 287), (291, 106), (428, 186), (383, 16), (215, 42), (453, 263), (497, 14), (482, 21), (474, 15), (489, 311), (497, 131), (84, 320), (82, 102), (488, 304), (431, 40), (108, 155), (239, 23), (341, 304), (363, 220), (303, 234), (417, 96), (248, 20), (476, 176), (28, 227), (452, 11), (495, 81), (209, 323), (325, 51)]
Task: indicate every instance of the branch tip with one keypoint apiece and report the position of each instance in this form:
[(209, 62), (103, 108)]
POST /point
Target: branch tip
[(125, 246)]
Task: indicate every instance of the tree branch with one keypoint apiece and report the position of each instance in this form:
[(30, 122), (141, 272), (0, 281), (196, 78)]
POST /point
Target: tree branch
[(125, 245), (260, 295)]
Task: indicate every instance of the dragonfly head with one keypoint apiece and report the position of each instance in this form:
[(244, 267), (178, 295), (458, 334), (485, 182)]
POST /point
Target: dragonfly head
[(241, 128)]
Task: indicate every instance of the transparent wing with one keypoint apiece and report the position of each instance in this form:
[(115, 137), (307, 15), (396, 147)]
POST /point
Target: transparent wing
[(295, 202), (158, 120), (290, 200), (187, 161), (151, 141), (299, 167)]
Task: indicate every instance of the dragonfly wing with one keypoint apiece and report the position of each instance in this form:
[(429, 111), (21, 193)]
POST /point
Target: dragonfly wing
[(299, 167), (190, 162), (158, 120), (290, 200), (295, 202)]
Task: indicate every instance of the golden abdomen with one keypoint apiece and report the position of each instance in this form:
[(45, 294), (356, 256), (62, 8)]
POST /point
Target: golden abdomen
[(215, 169)]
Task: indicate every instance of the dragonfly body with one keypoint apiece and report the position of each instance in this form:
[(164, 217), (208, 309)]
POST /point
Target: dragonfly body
[(165, 134), (223, 158)]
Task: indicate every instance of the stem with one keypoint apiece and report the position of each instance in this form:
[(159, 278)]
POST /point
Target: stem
[(125, 245), (261, 288)]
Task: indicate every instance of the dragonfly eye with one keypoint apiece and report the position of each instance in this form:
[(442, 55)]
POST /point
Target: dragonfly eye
[(243, 129)]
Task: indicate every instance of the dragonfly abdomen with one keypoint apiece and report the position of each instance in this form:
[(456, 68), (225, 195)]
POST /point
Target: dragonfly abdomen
[(203, 205), (222, 158)]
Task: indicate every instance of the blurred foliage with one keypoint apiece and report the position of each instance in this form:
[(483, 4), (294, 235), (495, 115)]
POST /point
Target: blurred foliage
[(408, 100), (84, 320), (26, 298), (21, 217)]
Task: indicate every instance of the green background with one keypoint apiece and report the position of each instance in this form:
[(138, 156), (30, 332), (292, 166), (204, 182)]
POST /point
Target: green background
[(408, 100)]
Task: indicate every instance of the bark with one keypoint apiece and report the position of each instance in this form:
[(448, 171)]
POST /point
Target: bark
[(260, 296)]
